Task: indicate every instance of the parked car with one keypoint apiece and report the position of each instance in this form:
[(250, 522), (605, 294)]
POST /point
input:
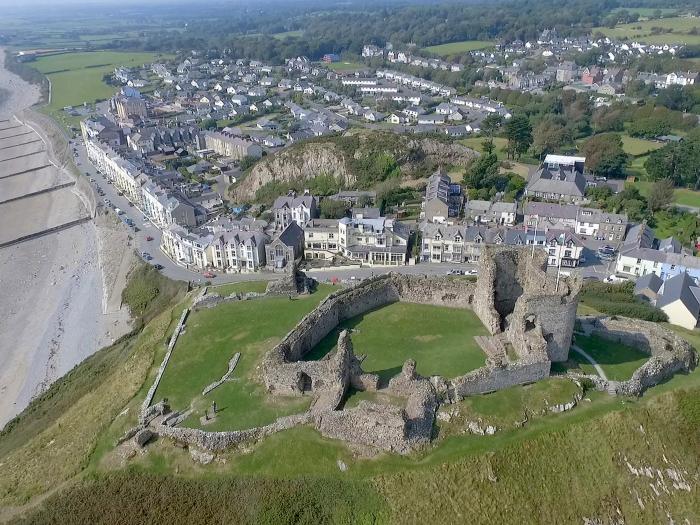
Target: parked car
[(472, 272), (209, 275), (119, 211), (615, 279), (149, 238), (158, 266)]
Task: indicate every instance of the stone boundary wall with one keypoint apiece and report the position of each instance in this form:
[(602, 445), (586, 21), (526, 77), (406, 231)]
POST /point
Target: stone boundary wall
[(361, 298), (164, 364), (231, 367), (219, 441), (669, 352)]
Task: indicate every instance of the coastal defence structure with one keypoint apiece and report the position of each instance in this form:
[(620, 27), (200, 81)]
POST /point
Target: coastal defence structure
[(531, 317)]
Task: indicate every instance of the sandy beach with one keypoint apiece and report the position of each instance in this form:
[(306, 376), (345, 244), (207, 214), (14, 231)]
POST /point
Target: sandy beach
[(60, 299)]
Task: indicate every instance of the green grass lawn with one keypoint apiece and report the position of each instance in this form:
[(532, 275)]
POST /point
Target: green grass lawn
[(344, 66), (618, 361), (642, 31), (503, 408), (637, 147), (211, 338), (455, 48), (476, 143), (440, 339), (243, 287)]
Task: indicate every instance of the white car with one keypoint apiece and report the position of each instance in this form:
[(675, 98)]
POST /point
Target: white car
[(615, 279)]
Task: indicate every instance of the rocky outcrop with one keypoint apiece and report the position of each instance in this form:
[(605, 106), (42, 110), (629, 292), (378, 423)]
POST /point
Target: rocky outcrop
[(342, 158), (297, 163)]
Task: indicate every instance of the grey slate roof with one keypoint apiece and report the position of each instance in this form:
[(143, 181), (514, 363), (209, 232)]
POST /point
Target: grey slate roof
[(650, 281), (680, 287)]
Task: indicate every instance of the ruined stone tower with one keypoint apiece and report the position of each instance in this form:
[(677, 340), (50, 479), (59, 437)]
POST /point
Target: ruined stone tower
[(515, 296)]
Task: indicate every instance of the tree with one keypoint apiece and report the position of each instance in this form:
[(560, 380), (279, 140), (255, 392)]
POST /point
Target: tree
[(519, 135), (331, 209), (661, 194), (648, 127), (549, 135), (209, 123), (605, 156)]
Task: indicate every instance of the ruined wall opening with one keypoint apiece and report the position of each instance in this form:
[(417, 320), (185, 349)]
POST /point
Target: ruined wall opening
[(304, 383), (507, 287), (530, 322)]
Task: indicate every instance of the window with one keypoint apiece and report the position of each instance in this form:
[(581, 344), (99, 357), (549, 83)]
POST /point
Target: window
[(311, 235)]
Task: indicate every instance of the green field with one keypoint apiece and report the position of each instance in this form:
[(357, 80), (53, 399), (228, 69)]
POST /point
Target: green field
[(244, 287), (285, 34), (440, 339), (638, 147), (682, 196), (642, 31), (77, 78), (344, 66), (456, 48), (645, 11), (618, 361), (211, 338)]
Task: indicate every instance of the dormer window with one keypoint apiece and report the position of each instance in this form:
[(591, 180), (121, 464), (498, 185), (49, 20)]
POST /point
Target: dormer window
[(438, 236)]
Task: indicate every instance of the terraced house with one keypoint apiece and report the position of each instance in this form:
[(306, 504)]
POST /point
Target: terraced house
[(373, 241)]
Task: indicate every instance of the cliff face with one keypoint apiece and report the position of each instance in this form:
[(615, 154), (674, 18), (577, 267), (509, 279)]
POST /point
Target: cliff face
[(343, 157), (300, 162)]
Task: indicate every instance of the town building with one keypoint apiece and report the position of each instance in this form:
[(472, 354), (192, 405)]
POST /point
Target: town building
[(443, 199), (293, 208), (559, 178), (228, 145)]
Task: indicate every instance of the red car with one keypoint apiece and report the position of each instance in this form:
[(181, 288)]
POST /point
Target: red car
[(209, 275), (149, 238)]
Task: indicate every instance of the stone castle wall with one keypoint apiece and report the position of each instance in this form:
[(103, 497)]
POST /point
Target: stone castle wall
[(491, 379), (669, 352)]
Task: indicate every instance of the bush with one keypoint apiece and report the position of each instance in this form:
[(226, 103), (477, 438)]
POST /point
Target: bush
[(619, 299)]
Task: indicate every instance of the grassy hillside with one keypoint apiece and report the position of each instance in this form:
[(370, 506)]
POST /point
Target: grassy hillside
[(672, 30), (564, 467)]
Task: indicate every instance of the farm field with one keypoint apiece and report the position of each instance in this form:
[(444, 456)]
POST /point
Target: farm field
[(285, 34), (440, 339), (642, 31), (455, 48), (77, 78)]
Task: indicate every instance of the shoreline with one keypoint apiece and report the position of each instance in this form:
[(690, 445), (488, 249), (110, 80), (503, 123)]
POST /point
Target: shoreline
[(61, 298)]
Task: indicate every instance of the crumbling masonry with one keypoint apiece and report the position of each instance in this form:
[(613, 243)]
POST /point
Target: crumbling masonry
[(529, 314)]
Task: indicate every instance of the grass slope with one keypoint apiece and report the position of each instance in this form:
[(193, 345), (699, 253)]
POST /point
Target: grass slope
[(679, 31), (440, 339)]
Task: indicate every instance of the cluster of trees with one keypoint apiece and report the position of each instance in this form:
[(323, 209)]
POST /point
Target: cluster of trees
[(605, 156), (679, 162), (335, 27), (484, 180), (654, 209)]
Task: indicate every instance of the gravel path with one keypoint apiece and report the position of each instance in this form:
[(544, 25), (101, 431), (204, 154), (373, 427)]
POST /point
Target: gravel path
[(592, 361)]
